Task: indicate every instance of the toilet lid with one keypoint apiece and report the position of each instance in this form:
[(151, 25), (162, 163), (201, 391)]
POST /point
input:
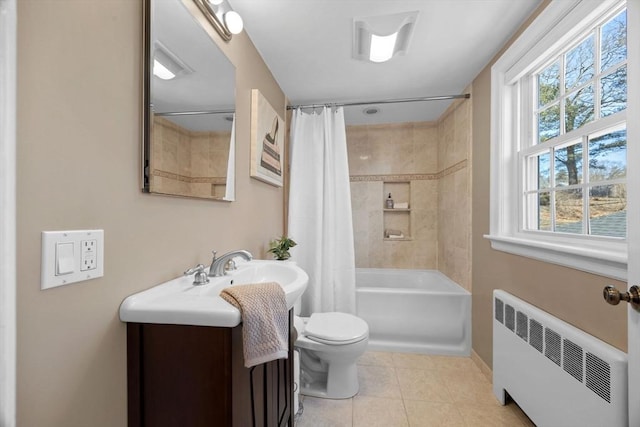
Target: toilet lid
[(336, 328)]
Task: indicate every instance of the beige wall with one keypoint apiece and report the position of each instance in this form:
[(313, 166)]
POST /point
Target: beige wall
[(78, 167), (571, 295)]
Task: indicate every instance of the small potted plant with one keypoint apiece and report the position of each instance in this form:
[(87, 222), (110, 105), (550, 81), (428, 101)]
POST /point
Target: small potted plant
[(280, 248)]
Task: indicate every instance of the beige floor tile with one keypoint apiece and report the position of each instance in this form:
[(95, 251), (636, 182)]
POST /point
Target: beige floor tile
[(413, 361), (421, 384), (471, 392), (476, 415), (326, 413), (378, 381), (452, 375), (433, 414), (520, 413), (378, 412), (376, 358), (456, 363)]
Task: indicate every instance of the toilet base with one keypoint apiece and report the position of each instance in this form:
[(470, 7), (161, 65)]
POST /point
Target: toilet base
[(339, 381)]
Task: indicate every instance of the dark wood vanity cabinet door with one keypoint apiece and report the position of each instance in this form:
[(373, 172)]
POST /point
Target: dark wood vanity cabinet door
[(192, 376)]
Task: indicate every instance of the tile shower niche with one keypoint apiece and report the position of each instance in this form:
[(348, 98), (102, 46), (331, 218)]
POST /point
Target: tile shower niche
[(397, 221)]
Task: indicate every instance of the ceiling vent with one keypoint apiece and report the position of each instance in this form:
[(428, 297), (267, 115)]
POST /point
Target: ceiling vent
[(380, 38)]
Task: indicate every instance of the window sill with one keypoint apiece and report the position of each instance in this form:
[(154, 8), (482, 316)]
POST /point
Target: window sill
[(610, 262)]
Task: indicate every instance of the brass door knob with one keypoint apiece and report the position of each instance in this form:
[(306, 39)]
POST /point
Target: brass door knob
[(613, 296)]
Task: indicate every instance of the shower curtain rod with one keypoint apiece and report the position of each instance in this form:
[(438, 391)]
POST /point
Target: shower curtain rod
[(195, 113), (386, 101)]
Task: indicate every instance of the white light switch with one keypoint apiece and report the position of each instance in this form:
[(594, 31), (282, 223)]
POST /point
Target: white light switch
[(64, 258), (71, 256)]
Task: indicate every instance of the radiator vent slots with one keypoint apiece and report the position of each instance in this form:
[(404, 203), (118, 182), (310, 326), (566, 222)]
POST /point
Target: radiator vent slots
[(552, 346), (572, 362), (535, 335), (509, 317), (559, 375), (522, 325), (499, 310), (598, 377)]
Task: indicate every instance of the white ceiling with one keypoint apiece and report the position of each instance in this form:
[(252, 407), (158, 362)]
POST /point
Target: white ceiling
[(307, 46)]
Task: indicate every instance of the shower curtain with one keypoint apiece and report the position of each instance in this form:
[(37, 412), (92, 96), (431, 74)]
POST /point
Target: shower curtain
[(320, 210)]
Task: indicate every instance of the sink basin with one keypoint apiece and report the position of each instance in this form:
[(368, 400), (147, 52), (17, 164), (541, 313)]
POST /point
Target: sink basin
[(179, 302)]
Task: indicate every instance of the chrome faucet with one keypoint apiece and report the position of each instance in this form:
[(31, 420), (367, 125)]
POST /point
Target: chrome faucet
[(219, 264)]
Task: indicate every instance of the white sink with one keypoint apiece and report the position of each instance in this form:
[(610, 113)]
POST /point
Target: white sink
[(179, 302)]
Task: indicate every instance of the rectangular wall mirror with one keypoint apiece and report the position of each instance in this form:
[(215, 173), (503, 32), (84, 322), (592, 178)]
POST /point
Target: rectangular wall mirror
[(188, 107)]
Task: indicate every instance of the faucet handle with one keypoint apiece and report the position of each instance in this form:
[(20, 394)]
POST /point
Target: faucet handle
[(198, 268), (214, 255), (200, 277)]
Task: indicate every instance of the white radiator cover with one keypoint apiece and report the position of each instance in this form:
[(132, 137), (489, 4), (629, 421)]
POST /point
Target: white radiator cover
[(558, 374)]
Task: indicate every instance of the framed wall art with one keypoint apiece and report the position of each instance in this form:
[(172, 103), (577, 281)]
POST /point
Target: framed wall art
[(267, 141)]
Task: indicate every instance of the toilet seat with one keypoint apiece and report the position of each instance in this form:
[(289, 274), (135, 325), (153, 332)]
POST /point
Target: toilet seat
[(336, 328)]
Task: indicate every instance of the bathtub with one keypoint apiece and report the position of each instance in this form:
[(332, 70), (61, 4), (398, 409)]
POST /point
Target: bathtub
[(418, 311)]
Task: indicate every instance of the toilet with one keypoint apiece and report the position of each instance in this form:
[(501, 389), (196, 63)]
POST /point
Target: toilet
[(329, 346)]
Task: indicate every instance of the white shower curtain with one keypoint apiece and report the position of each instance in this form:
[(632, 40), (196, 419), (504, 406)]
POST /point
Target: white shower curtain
[(320, 210)]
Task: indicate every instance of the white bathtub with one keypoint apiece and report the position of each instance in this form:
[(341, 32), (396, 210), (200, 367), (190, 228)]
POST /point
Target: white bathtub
[(420, 311)]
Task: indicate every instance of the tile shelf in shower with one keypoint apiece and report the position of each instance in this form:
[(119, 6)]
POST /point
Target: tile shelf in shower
[(397, 210), (403, 239)]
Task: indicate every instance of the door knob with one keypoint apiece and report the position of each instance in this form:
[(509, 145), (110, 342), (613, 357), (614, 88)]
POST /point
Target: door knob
[(613, 296)]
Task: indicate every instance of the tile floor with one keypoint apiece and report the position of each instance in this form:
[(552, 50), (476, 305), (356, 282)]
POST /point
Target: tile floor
[(415, 390)]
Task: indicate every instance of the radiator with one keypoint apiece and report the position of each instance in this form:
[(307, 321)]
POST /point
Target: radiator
[(558, 374)]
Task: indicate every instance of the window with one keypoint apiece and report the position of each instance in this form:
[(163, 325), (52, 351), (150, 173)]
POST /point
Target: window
[(559, 139), (575, 174)]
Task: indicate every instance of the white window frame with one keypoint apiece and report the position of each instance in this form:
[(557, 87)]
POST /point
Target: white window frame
[(556, 26)]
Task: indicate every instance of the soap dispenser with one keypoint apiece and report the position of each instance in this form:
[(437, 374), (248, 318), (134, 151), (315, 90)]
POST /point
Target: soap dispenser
[(389, 202)]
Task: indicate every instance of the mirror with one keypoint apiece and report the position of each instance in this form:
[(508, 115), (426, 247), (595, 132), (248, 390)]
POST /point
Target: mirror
[(189, 104)]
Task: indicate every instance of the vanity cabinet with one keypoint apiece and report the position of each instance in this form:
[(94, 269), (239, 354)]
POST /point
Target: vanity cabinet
[(192, 376)]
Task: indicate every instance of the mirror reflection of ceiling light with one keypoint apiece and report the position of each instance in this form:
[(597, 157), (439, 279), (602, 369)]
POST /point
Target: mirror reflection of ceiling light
[(161, 71), (380, 38), (166, 64)]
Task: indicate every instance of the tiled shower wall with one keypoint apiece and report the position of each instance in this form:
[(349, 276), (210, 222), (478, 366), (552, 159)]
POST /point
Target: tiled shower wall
[(454, 193), (434, 159), (188, 163)]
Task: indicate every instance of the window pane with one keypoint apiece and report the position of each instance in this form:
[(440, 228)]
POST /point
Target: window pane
[(569, 211), (614, 41), (614, 92), (549, 123), (568, 165), (544, 170), (544, 211), (580, 64), (608, 156), (549, 84), (579, 108), (608, 210)]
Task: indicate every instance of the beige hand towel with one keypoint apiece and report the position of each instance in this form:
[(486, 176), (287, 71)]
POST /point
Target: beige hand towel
[(265, 319)]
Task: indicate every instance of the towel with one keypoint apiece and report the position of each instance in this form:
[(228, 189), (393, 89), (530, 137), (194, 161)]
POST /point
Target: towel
[(393, 234), (265, 319)]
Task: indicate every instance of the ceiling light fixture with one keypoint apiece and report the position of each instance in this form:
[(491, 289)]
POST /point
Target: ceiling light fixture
[(166, 64), (380, 38), (222, 17)]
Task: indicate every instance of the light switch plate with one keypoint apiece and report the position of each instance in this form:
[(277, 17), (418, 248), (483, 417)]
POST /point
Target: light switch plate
[(86, 262)]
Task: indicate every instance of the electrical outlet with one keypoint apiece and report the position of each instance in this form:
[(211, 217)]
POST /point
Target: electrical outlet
[(88, 254), (71, 256)]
